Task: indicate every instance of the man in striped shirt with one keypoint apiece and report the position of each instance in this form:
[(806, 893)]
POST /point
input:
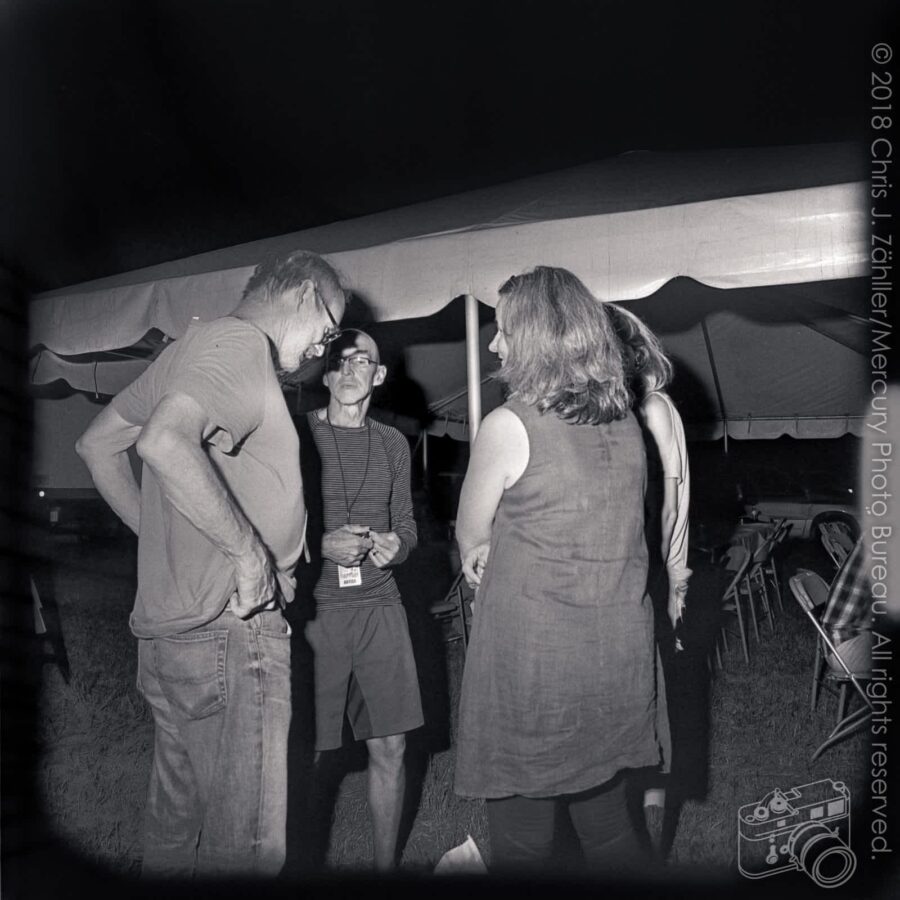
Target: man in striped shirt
[(848, 612), (363, 661)]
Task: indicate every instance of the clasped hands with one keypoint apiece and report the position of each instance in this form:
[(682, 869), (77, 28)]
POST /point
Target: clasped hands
[(349, 545)]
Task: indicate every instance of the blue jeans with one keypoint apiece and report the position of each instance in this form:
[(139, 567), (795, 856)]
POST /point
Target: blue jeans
[(221, 701)]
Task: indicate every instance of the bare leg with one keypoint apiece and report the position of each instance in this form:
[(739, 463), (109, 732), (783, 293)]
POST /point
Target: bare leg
[(387, 782), (654, 815)]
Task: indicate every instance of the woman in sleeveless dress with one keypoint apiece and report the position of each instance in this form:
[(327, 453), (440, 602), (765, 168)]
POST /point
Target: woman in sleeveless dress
[(559, 692)]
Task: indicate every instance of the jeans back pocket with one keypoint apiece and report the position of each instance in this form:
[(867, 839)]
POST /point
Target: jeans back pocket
[(191, 672)]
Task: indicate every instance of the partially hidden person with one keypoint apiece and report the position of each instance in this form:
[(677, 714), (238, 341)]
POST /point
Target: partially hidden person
[(649, 372)]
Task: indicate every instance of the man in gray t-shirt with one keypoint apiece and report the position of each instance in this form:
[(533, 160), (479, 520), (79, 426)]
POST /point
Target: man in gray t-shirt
[(219, 516)]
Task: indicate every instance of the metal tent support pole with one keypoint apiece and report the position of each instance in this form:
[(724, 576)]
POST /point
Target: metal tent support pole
[(425, 456), (473, 366), (715, 375)]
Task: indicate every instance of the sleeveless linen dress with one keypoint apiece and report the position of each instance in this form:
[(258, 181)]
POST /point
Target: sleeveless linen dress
[(559, 687)]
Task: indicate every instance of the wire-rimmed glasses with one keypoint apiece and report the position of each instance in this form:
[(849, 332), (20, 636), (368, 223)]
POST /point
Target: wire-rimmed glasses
[(356, 364), (333, 331)]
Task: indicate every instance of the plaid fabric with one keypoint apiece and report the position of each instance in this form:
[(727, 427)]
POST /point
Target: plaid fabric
[(848, 609)]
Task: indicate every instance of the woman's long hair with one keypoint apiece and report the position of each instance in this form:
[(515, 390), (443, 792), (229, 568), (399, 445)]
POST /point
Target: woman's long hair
[(563, 352), (647, 367)]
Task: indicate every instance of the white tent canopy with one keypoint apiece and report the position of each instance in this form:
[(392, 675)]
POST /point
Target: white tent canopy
[(748, 220)]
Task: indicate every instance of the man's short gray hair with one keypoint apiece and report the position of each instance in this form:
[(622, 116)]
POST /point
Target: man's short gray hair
[(276, 275)]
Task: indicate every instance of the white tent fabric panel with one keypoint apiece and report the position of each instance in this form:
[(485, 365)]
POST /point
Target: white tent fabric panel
[(771, 360), (786, 237), (774, 363), (775, 378), (794, 236), (106, 378), (632, 181), (784, 229), (790, 360)]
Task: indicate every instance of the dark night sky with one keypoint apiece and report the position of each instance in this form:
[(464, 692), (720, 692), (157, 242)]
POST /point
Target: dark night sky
[(145, 131)]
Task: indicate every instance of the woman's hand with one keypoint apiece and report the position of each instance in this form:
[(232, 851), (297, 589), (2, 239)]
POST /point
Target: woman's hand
[(677, 593), (474, 563)]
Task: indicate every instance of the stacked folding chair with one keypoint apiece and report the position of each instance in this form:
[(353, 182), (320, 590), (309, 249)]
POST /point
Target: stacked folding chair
[(836, 540), (758, 581), (737, 560), (829, 668), (764, 573)]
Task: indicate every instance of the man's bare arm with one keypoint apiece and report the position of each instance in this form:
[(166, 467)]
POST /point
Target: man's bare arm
[(171, 444), (103, 447)]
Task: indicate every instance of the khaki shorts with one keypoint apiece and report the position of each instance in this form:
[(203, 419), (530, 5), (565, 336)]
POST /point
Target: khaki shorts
[(363, 666)]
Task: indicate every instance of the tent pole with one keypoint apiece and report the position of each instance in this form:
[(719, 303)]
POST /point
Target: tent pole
[(715, 375), (425, 456), (473, 366)]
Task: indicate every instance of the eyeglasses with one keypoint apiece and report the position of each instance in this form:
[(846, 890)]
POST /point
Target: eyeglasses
[(350, 363), (333, 331)]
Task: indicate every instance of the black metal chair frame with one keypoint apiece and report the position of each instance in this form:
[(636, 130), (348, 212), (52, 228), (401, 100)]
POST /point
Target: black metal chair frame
[(847, 724), (451, 607), (738, 588)]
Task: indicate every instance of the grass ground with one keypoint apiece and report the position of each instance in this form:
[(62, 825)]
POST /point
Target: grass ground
[(739, 734)]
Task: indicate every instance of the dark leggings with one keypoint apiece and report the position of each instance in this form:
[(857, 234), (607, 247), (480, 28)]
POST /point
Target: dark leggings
[(522, 828)]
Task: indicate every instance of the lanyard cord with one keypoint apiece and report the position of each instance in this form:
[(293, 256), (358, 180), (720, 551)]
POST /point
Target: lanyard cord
[(337, 451)]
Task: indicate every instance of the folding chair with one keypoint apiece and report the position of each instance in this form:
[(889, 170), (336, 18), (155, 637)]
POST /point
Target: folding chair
[(453, 608), (835, 550), (753, 585), (782, 530), (737, 560), (811, 592), (761, 570), (840, 535)]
